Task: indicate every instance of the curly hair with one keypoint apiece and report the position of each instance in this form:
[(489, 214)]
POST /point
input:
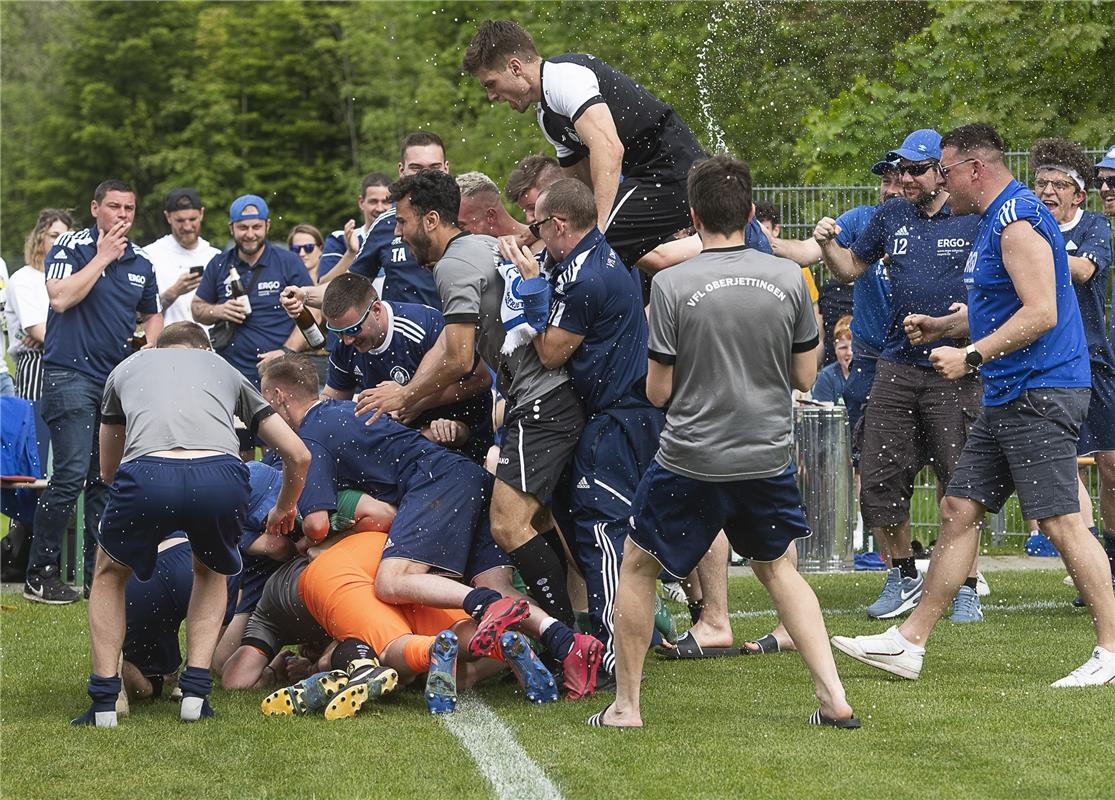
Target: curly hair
[(1060, 153)]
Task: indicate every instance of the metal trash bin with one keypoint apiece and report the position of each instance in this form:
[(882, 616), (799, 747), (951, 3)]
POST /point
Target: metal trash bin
[(822, 452)]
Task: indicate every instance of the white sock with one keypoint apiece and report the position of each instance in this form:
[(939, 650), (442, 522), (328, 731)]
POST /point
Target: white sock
[(191, 708), (917, 648), (105, 719)]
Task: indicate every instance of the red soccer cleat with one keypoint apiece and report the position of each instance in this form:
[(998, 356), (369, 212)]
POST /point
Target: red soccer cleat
[(580, 666), (500, 616)]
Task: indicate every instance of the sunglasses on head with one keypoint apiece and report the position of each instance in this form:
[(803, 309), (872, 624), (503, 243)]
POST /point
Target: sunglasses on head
[(914, 170), (303, 248), (351, 330)]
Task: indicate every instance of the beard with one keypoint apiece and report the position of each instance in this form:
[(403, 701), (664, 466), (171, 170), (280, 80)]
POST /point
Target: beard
[(421, 247)]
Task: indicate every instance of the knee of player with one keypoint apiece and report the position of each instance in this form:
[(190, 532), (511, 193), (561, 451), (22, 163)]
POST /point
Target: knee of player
[(959, 511)]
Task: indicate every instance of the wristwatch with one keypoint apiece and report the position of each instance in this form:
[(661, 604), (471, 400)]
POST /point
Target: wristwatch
[(973, 358)]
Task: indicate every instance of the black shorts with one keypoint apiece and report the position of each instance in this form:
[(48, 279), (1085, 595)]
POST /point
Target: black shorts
[(540, 440), (1028, 445), (648, 211)]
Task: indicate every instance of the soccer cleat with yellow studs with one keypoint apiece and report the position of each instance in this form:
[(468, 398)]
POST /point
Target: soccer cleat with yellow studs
[(367, 680)]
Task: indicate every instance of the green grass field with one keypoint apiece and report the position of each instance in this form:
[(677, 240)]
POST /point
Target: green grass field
[(981, 723)]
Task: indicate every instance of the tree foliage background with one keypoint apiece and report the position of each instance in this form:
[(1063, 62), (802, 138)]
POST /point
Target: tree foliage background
[(297, 100)]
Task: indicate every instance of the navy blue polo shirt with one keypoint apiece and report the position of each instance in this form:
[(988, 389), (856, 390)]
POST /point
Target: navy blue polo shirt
[(871, 290), (925, 259), (379, 459), (1089, 236), (1059, 357), (93, 336), (597, 297), (404, 279), (268, 326), (334, 248)]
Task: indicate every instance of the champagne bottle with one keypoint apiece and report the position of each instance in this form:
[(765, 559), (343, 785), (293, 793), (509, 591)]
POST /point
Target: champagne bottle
[(311, 329), (238, 291)]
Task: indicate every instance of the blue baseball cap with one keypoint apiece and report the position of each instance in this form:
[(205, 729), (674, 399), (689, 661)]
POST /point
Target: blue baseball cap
[(1108, 160), (881, 167), (918, 146), (236, 210)]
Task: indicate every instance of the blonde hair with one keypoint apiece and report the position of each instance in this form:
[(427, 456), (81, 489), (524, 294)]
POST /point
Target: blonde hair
[(842, 328), (34, 249)]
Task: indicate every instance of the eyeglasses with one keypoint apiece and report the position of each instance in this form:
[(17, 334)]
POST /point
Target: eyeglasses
[(1102, 180), (944, 168), (535, 227), (914, 170), (303, 248), (1041, 183), (351, 330)]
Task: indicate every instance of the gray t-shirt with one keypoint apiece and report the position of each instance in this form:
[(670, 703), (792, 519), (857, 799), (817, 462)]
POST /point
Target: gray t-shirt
[(178, 397), (471, 290), (280, 617), (728, 321)]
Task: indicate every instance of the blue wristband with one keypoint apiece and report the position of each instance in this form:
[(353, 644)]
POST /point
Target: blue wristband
[(535, 293)]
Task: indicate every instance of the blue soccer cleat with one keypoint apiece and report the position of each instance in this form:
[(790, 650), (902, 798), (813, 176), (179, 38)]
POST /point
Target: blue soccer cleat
[(538, 684), (441, 680)]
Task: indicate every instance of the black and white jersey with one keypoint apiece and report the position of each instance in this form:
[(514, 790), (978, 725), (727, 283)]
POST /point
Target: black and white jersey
[(654, 137)]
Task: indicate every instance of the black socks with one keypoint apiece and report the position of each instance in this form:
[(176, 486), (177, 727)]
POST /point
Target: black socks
[(543, 571), (906, 566)]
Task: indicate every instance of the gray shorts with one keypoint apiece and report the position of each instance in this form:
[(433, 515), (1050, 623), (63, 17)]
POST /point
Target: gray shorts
[(1028, 445)]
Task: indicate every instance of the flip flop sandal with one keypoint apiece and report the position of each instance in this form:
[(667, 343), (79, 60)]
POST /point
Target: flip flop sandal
[(687, 647), (597, 721), (766, 645), (817, 718)]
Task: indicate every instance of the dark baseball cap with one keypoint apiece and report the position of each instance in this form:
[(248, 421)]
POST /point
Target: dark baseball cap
[(181, 199)]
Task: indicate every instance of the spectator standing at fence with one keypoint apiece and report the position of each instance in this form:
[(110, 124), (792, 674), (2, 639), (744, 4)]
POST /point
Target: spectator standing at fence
[(830, 384), (180, 257), (727, 327), (1060, 171), (915, 414), (1105, 185), (28, 305), (1028, 344), (262, 329), (98, 283)]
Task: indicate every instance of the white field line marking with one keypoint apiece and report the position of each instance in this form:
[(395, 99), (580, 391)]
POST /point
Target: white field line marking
[(512, 773), (1037, 605)]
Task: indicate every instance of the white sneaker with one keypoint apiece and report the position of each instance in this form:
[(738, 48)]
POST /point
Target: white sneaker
[(1098, 670), (983, 588), (887, 651), (1068, 581)]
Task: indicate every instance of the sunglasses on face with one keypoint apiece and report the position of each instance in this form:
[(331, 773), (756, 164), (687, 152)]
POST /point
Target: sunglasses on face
[(351, 330), (303, 248), (915, 170), (535, 227), (1105, 180)]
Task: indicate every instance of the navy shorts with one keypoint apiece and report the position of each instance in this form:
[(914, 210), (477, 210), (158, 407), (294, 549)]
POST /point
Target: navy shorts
[(155, 610), (1028, 445), (441, 519), (677, 518), (257, 569), (207, 498), (1097, 434)]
